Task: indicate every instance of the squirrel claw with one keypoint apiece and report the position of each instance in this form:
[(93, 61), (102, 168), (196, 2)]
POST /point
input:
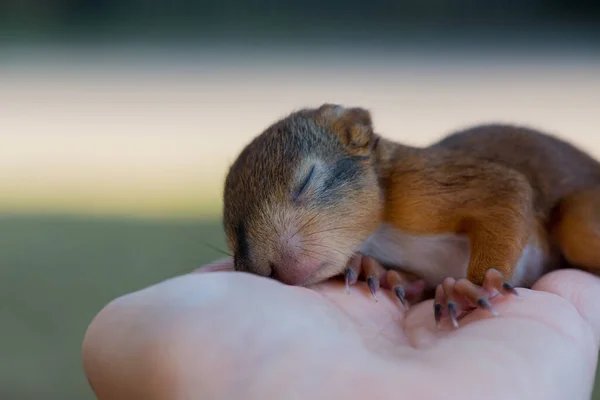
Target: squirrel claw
[(437, 312), (452, 313), (400, 294), (353, 271), (507, 287), (373, 286), (485, 304), (360, 264), (350, 278)]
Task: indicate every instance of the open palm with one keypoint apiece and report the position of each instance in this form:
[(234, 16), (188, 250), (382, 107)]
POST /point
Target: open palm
[(230, 335)]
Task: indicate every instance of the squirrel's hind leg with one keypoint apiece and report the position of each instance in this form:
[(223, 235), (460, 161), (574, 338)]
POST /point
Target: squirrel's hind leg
[(576, 229)]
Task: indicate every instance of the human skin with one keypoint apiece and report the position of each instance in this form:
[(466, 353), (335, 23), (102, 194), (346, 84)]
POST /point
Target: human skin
[(220, 334)]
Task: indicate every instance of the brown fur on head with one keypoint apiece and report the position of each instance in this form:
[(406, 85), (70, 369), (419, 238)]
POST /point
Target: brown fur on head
[(303, 195)]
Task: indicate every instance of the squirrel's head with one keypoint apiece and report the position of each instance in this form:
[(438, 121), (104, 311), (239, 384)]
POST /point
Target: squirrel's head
[(302, 196)]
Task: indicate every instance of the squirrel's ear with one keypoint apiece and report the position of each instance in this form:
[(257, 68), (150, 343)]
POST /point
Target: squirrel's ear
[(353, 127)]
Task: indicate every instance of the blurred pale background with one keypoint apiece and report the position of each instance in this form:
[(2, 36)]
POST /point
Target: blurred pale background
[(118, 121)]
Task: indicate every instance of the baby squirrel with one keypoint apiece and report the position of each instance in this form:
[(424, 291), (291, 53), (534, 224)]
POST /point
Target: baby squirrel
[(487, 209)]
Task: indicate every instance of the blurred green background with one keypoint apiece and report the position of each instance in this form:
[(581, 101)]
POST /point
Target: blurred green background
[(118, 120)]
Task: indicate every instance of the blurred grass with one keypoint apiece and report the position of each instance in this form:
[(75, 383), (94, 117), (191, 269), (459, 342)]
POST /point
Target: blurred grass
[(57, 272)]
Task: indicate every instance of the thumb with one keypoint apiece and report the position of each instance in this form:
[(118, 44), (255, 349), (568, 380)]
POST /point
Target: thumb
[(580, 288)]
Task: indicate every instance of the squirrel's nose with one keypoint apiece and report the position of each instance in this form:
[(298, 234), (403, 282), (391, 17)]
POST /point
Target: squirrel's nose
[(293, 271), (288, 263)]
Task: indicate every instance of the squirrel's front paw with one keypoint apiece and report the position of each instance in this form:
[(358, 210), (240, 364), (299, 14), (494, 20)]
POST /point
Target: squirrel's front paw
[(455, 296), (370, 270)]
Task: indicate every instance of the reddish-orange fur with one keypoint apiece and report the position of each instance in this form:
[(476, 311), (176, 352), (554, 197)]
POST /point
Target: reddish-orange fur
[(497, 185), (576, 228), (501, 186)]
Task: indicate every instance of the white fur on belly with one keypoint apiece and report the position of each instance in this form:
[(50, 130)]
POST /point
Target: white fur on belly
[(435, 257)]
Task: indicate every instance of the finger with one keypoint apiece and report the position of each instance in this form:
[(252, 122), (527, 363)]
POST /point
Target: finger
[(580, 288), (225, 264)]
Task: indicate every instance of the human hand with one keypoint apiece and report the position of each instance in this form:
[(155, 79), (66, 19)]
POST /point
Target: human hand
[(229, 335)]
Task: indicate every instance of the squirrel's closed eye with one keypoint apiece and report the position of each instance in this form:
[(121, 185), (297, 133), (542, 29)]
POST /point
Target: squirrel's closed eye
[(305, 183)]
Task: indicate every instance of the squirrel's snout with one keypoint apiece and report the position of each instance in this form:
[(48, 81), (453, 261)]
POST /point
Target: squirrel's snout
[(302, 256), (290, 264), (294, 271)]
